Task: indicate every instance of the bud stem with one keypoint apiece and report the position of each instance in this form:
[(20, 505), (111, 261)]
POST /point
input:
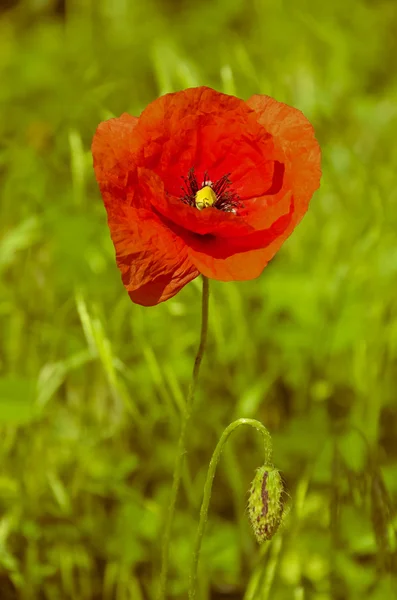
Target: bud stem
[(267, 442), (181, 445)]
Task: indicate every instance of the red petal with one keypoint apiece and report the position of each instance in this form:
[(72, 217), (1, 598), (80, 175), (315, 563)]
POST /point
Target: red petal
[(209, 131), (153, 260), (113, 153), (240, 258), (297, 148)]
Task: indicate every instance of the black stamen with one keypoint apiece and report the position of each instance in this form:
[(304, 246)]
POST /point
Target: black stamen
[(222, 184), (190, 188)]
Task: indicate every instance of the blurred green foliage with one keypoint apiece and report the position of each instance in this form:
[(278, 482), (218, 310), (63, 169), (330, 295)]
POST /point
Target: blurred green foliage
[(91, 386)]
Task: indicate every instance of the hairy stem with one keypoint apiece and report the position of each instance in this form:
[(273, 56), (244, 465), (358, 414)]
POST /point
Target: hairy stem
[(267, 442), (178, 468)]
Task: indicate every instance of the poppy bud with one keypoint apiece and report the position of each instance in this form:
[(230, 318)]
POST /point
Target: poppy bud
[(265, 503)]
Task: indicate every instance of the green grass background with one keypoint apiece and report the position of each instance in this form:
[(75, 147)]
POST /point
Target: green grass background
[(92, 386)]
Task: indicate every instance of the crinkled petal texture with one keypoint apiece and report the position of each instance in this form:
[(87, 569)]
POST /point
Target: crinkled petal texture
[(270, 154)]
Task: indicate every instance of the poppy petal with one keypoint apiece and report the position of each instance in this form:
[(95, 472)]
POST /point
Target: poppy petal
[(113, 152), (153, 260), (209, 131), (240, 258), (297, 149)]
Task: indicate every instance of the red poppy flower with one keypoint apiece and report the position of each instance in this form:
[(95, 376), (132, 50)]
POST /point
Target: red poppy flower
[(203, 182)]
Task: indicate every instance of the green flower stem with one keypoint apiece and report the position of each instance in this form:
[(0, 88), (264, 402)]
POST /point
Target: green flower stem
[(178, 468), (267, 442)]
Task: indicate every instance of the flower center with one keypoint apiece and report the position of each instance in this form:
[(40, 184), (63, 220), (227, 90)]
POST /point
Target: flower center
[(217, 195), (205, 197)]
